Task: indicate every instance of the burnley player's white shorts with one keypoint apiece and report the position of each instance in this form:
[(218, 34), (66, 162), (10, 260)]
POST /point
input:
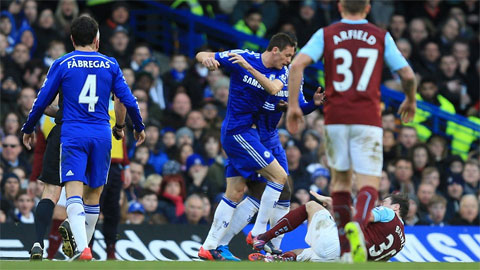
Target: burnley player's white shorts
[(322, 237), (359, 147)]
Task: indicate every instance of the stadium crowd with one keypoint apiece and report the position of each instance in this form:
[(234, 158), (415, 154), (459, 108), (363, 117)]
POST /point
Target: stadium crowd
[(177, 175)]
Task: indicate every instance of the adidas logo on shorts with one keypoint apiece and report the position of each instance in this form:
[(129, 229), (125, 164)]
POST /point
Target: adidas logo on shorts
[(69, 173)]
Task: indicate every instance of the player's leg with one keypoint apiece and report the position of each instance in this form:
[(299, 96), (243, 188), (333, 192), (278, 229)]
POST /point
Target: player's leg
[(338, 155), (277, 177), (366, 148), (322, 234), (222, 218)]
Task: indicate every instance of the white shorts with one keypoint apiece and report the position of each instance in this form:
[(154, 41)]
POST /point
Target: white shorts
[(62, 201), (322, 237), (355, 146)]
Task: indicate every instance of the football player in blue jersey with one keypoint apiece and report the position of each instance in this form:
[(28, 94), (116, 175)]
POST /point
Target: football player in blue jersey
[(253, 77), (85, 80)]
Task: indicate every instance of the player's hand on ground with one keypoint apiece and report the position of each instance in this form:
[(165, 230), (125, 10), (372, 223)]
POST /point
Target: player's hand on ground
[(327, 201), (139, 137), (127, 178), (407, 110), (294, 119), (210, 63), (319, 96), (238, 59), (282, 106), (28, 140)]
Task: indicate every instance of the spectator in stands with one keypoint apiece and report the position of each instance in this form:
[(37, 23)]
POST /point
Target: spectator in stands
[(169, 146), (295, 168), (417, 32), (119, 45), (453, 85), (426, 64), (177, 76), (10, 187), (3, 48), (251, 24), (11, 157), (138, 177), (27, 36), (141, 52), (403, 176), (389, 153), (172, 167), (45, 29), (196, 123), (210, 113), (268, 10), (11, 124), (398, 26), (425, 194), (468, 214), (455, 165), (306, 24), (30, 12), (431, 175), (455, 186), (149, 201), (25, 102), (449, 31), (311, 144), (172, 195), (119, 18), (421, 158), (461, 52), (385, 188), (143, 155), (136, 213), (66, 12), (181, 106), (438, 147), (194, 211), (212, 77), (7, 27), (153, 183), (157, 93), (18, 62), (55, 50), (407, 138), (321, 181), (129, 76), (471, 175), (436, 212), (389, 119), (23, 208), (157, 157), (220, 92), (412, 217), (433, 10), (32, 74), (22, 175), (302, 195)]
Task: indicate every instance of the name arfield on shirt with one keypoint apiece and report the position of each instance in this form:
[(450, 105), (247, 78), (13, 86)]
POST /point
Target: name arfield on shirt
[(88, 64), (354, 34)]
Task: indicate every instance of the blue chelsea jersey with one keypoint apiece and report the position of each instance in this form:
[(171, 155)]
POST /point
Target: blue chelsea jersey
[(246, 95), (269, 118), (85, 81)]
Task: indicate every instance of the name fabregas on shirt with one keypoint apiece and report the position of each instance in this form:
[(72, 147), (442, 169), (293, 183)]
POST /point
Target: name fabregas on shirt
[(88, 64)]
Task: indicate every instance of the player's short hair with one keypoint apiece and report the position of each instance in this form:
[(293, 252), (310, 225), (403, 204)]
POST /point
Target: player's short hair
[(354, 6), (84, 29), (402, 200), (281, 41)]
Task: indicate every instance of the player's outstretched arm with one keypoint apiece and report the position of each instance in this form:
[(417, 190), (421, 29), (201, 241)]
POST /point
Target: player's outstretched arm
[(294, 113), (272, 87), (409, 105), (208, 60)]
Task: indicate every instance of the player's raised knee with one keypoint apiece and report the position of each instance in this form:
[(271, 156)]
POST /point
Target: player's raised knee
[(313, 207)]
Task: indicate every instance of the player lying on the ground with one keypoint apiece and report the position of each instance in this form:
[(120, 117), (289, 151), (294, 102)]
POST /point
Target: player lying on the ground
[(383, 235)]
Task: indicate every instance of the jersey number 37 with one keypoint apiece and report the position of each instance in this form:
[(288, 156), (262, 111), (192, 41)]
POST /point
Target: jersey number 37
[(344, 68), (89, 92)]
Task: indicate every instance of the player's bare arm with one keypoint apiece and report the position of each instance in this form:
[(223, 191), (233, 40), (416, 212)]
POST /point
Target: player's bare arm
[(294, 113), (272, 87), (318, 99), (53, 108), (409, 105), (208, 60)]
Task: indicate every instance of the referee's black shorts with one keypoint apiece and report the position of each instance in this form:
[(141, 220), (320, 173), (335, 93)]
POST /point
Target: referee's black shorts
[(51, 159)]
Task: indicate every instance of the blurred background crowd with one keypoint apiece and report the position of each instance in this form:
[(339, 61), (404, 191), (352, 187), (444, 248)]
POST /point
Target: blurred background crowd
[(177, 175)]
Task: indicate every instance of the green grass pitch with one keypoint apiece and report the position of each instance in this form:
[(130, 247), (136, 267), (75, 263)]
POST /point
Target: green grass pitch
[(51, 265)]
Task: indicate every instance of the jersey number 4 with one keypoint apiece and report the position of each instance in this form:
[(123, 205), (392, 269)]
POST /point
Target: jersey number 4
[(344, 68), (88, 93)]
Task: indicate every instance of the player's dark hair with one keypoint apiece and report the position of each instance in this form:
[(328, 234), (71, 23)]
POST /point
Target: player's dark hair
[(84, 29), (354, 6), (402, 200), (281, 41)]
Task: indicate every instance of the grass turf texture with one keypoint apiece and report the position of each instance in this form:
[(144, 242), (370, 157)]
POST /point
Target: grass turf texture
[(51, 265)]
